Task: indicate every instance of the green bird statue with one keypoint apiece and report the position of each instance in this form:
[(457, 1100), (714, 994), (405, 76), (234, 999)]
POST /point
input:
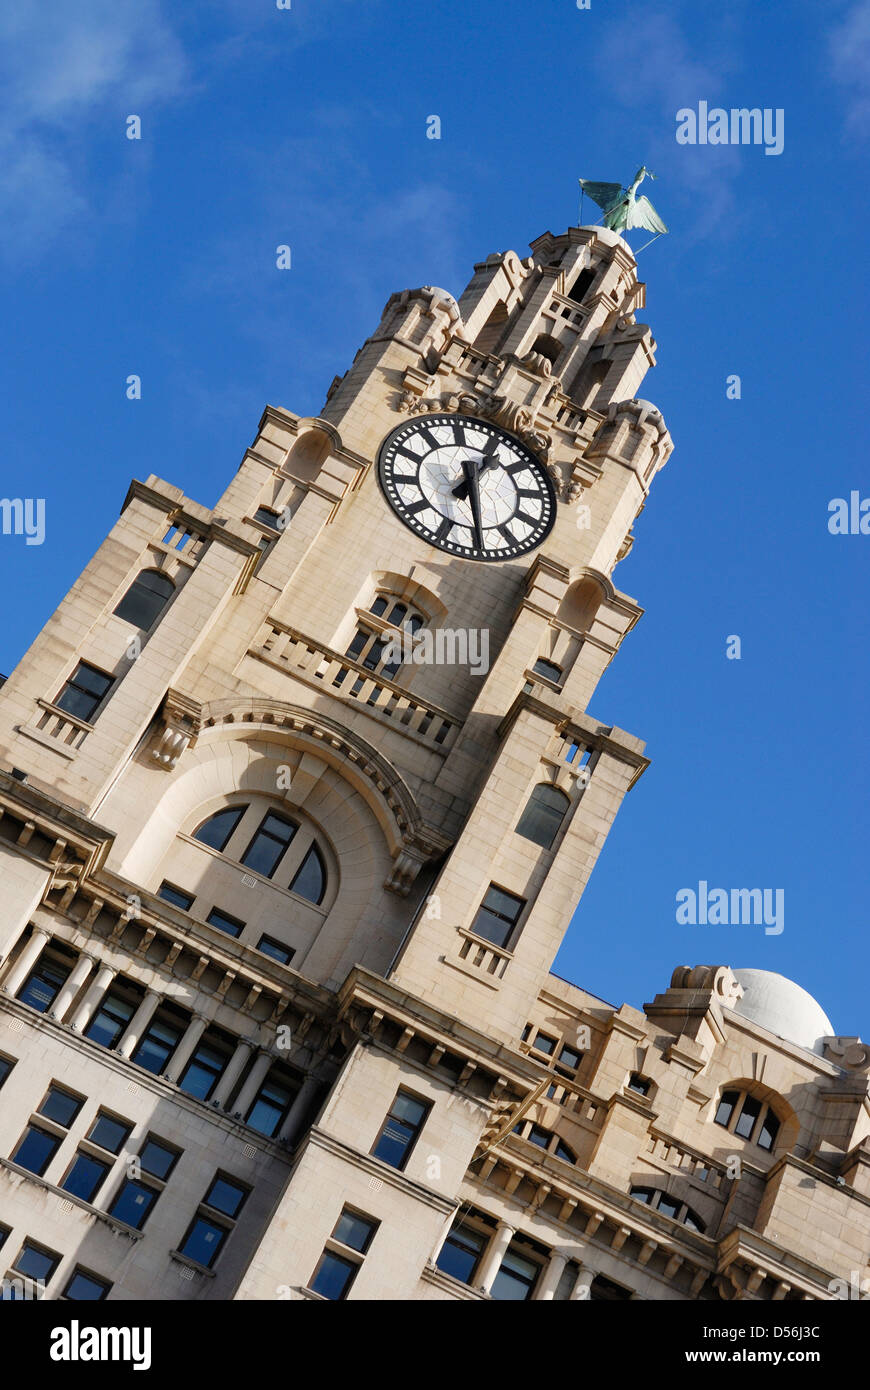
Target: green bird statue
[(622, 207)]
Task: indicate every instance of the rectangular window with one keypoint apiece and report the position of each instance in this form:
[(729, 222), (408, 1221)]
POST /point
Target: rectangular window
[(85, 1287), (204, 1069), (36, 1148), (401, 1130), (170, 894), (204, 1240), (271, 1105), (461, 1252), (570, 1059), (226, 1195), (43, 985), (35, 1262), (516, 1278), (133, 1203), (84, 692), (725, 1108), (158, 1158), (270, 947), (85, 1177), (768, 1132), (267, 516), (337, 1268), (157, 1043), (268, 845), (6, 1065), (224, 922), (668, 1207), (543, 1043), (497, 916), (748, 1115), (109, 1133), (110, 1019), (61, 1106)]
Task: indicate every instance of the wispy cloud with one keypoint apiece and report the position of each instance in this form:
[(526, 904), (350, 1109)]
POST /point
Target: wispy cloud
[(62, 68), (849, 62)]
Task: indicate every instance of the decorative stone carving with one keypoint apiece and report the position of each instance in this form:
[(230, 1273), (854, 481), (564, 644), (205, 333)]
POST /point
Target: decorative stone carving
[(849, 1053), (181, 723), (407, 863), (717, 978)]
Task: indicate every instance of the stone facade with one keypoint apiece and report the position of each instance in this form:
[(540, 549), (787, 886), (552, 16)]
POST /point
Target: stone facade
[(243, 861)]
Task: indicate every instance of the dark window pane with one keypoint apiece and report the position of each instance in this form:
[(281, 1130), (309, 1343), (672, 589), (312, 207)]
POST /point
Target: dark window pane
[(354, 1231), (768, 1132), (203, 1241), (216, 831), (570, 1057), (641, 1085), (267, 517), (642, 1194), (43, 986), (400, 1130), (397, 613), (5, 1068), (497, 915), (110, 1020), (36, 1148), (668, 1207), (202, 1071), (692, 1220), (548, 669), (60, 1106), (726, 1107), (268, 845), (310, 879), (379, 607), (35, 1263), (226, 1196), (460, 1254), (543, 815), (175, 896), (539, 1136), (224, 922), (270, 1107), (375, 654), (83, 691), (157, 1045), (333, 1276), (275, 949), (359, 640), (133, 1203), (156, 1159), (85, 1177), (109, 1133), (415, 623), (84, 1287), (748, 1115), (515, 1279), (562, 1151), (543, 1043), (145, 599)]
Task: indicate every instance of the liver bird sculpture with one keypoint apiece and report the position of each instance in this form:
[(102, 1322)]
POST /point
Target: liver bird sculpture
[(622, 207)]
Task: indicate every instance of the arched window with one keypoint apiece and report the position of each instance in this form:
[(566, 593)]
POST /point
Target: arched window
[(543, 815), (309, 880), (545, 1139), (369, 643), (668, 1206), (216, 831), (145, 599), (748, 1117)]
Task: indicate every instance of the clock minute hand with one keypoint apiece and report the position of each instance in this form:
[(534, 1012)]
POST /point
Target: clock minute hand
[(470, 467), (488, 461)]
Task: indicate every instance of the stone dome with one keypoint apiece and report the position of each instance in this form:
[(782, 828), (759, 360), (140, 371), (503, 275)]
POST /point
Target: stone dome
[(782, 1007)]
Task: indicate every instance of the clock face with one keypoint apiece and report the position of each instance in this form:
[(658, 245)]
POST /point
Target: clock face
[(467, 487)]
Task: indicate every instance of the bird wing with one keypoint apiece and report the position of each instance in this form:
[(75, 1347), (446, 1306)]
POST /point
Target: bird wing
[(643, 214), (601, 193)]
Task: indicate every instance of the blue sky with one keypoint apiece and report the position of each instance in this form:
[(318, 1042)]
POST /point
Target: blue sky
[(308, 127)]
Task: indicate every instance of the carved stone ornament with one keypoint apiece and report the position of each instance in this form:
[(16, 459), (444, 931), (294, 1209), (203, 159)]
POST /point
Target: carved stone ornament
[(180, 718), (849, 1053), (717, 978)]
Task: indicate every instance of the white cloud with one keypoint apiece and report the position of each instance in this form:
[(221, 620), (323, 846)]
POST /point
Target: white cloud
[(849, 52), (62, 67)]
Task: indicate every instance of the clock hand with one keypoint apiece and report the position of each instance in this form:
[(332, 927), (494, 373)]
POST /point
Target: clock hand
[(489, 461), (471, 482)]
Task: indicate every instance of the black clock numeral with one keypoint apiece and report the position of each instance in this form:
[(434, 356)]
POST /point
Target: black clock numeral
[(528, 492), (459, 433), (414, 507), (524, 516), (444, 529), (411, 478), (430, 438)]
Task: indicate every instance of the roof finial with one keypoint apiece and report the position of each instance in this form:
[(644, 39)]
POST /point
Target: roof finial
[(622, 207)]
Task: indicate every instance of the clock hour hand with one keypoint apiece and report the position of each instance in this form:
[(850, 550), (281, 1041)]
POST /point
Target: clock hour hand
[(488, 461)]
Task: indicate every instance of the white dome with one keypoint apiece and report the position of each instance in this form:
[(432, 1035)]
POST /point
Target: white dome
[(782, 1007)]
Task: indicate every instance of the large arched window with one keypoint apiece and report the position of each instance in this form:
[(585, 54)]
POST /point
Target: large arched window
[(543, 815), (310, 878), (145, 599), (216, 831)]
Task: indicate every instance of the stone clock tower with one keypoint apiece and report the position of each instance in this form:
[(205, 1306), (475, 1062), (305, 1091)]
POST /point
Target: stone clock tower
[(297, 797)]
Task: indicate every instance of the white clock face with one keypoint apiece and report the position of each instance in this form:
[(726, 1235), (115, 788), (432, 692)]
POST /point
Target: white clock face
[(467, 487)]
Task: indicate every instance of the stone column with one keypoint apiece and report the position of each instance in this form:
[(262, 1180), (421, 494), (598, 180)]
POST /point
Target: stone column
[(186, 1048), (583, 1283), (259, 1072), (491, 1263), (39, 938), (552, 1274), (139, 1022), (293, 1122), (235, 1066), (81, 970), (82, 1015)]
